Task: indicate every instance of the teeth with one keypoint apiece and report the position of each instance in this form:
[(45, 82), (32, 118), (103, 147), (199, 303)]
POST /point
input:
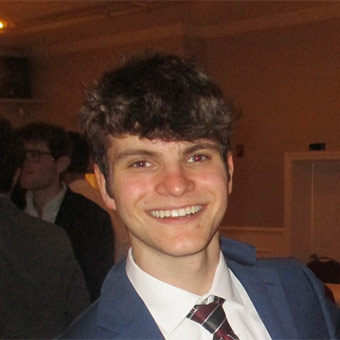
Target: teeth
[(176, 212)]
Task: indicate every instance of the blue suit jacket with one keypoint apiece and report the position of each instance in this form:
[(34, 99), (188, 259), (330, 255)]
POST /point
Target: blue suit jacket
[(287, 296)]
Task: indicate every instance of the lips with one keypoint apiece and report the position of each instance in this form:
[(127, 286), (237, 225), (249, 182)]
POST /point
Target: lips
[(173, 213)]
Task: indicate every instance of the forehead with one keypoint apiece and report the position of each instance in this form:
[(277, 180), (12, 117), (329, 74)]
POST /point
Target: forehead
[(130, 144)]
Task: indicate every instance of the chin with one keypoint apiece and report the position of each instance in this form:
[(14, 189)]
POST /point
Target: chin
[(187, 248)]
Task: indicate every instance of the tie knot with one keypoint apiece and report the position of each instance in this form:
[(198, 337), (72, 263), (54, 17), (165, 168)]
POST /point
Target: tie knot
[(212, 317), (201, 312)]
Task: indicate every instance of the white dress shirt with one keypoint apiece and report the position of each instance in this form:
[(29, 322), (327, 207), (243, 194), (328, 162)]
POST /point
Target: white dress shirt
[(170, 305), (50, 209)]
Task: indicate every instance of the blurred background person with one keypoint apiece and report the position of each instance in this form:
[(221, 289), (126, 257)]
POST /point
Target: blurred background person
[(42, 288), (79, 175), (48, 154)]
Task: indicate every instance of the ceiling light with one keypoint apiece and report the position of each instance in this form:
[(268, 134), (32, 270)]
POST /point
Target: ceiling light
[(3, 25)]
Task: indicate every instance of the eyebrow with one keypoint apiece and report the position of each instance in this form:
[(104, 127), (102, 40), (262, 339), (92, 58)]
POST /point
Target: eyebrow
[(135, 152), (144, 152), (201, 146)]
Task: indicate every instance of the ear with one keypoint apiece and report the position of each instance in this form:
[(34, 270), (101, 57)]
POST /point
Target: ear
[(230, 166), (108, 200), (62, 163)]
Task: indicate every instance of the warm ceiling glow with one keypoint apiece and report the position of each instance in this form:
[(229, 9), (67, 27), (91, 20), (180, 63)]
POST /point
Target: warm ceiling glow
[(3, 24)]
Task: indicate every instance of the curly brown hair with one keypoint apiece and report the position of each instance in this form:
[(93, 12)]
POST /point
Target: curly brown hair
[(156, 96)]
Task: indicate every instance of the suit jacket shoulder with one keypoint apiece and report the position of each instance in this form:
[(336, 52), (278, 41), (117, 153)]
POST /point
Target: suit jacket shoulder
[(119, 313), (288, 297), (305, 298), (40, 277), (76, 203)]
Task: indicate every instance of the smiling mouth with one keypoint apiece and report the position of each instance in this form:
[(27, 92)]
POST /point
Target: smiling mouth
[(188, 211)]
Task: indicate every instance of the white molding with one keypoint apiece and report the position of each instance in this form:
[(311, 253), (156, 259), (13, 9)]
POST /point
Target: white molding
[(247, 229)]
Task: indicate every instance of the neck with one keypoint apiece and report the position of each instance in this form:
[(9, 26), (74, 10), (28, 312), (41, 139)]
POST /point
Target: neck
[(42, 197), (71, 177), (194, 273)]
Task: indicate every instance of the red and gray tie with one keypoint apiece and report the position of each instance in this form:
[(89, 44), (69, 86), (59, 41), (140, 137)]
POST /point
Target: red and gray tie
[(212, 317)]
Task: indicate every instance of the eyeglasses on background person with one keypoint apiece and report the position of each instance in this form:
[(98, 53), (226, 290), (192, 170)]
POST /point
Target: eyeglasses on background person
[(33, 155)]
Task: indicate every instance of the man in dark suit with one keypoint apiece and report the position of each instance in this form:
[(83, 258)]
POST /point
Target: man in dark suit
[(89, 229), (88, 226), (42, 288), (160, 133), (80, 179)]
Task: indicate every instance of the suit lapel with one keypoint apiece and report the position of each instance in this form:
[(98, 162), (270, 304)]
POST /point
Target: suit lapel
[(121, 310), (267, 295), (65, 206), (263, 287)]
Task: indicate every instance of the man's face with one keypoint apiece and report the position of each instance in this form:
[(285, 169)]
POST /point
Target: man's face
[(39, 172), (171, 195)]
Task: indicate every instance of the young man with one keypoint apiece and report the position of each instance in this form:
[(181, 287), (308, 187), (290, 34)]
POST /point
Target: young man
[(42, 288), (88, 226), (160, 132)]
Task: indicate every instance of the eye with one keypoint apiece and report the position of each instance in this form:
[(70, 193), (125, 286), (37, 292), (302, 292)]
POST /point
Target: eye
[(141, 164), (197, 158)]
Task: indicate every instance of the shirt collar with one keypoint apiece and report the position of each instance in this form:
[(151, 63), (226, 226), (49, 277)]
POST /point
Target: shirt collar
[(162, 298), (50, 209)]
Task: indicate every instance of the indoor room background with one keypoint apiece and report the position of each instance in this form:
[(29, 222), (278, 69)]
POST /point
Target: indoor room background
[(277, 61)]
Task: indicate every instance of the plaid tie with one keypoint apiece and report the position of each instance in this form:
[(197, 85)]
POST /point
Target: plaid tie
[(212, 317)]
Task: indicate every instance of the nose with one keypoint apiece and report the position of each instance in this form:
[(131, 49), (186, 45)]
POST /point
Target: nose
[(174, 182)]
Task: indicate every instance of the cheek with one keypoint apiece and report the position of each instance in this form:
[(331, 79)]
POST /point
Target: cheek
[(31, 173), (38, 168), (215, 184), (27, 166), (214, 179), (128, 192)]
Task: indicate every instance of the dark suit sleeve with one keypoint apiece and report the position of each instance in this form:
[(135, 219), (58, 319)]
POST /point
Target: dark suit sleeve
[(77, 298), (91, 234), (97, 259)]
